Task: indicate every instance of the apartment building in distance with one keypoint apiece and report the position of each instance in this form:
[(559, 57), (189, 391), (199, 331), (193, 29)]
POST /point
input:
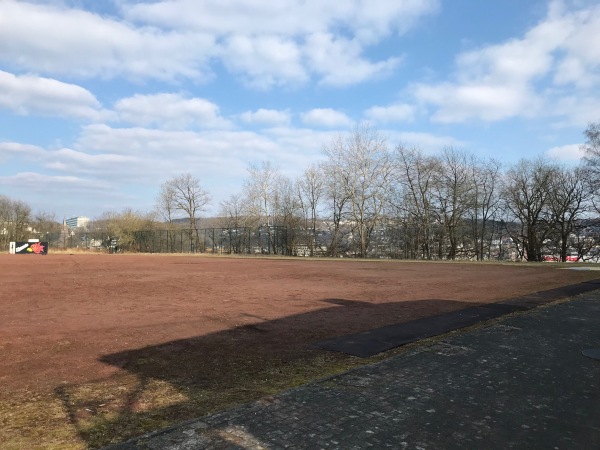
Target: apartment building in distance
[(77, 222)]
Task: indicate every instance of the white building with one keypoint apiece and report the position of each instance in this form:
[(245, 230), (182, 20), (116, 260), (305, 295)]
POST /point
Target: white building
[(77, 222)]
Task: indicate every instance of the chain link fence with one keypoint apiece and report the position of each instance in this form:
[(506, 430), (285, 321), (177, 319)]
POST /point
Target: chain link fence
[(263, 240), (272, 240)]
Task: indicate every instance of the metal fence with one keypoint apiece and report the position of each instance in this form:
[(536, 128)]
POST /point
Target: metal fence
[(261, 240)]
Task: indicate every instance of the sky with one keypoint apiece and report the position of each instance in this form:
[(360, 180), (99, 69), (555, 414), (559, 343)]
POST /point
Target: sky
[(103, 101)]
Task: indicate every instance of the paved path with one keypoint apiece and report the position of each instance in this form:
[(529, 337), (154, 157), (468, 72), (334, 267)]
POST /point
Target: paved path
[(521, 383)]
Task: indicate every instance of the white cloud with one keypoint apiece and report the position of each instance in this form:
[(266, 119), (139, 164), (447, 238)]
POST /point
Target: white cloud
[(171, 111), (75, 193), (58, 40), (276, 42), (514, 78), (16, 149), (577, 110), (72, 161), (264, 61), (41, 183), (338, 60), (29, 94), (300, 143), (265, 43), (172, 147), (392, 113), (581, 50), (566, 153), (458, 103), (368, 20), (66, 160), (326, 117), (218, 157), (266, 117)]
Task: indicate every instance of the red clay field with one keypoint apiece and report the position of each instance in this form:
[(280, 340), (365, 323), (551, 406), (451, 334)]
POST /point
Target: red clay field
[(98, 348)]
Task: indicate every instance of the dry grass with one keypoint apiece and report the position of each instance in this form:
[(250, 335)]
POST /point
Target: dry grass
[(125, 405)]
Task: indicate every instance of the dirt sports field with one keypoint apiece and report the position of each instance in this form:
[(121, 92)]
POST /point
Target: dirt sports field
[(98, 348)]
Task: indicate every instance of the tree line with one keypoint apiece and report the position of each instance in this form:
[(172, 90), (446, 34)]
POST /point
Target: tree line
[(366, 195), (444, 206), (17, 222)]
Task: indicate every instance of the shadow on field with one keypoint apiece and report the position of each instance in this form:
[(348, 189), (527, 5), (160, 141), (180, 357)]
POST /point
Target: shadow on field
[(179, 380)]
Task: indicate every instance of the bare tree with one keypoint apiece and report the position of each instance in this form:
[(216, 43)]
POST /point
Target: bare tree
[(45, 224), (311, 189), (526, 192), (336, 200), (260, 189), (568, 201), (166, 206), (21, 218), (236, 216), (184, 195), (5, 221), (235, 213), (586, 241), (287, 213), (125, 227), (15, 220), (592, 161), (453, 190), (166, 211), (415, 176), (485, 179), (363, 161)]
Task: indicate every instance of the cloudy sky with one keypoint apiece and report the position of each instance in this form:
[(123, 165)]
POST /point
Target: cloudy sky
[(102, 101)]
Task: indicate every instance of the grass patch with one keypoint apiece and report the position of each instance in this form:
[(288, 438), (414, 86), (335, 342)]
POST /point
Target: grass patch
[(126, 405)]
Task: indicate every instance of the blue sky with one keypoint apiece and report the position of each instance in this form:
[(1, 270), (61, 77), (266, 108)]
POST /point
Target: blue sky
[(102, 101)]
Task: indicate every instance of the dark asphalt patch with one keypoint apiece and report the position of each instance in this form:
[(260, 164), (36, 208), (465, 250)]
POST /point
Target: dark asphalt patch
[(371, 342)]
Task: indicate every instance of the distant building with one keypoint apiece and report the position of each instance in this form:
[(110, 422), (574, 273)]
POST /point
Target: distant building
[(77, 222)]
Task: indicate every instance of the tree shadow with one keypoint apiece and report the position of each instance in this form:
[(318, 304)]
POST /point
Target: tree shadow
[(160, 385)]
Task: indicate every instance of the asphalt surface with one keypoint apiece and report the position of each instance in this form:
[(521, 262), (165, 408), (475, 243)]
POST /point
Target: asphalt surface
[(528, 381)]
